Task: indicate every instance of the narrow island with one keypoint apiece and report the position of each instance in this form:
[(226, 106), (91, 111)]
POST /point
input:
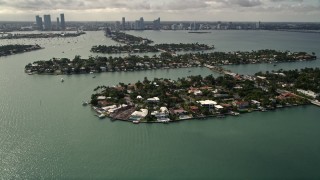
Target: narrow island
[(42, 35), (7, 50), (128, 39), (213, 60), (197, 97), (142, 48)]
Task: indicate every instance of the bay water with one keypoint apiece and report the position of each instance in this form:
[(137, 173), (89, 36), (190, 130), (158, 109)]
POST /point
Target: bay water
[(45, 132)]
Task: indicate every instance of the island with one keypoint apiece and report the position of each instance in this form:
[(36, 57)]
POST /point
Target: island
[(213, 60), (7, 50), (143, 48), (42, 35), (125, 38), (196, 97)]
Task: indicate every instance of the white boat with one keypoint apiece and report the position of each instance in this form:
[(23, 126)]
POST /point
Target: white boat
[(101, 116), (316, 102), (62, 80)]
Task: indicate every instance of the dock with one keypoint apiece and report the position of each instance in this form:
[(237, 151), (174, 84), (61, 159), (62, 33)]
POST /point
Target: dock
[(317, 103)]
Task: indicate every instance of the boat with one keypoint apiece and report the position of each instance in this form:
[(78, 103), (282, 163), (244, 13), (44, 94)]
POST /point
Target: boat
[(234, 113), (221, 116), (101, 116), (315, 102), (264, 110), (62, 80), (93, 76), (30, 73), (84, 103), (135, 122)]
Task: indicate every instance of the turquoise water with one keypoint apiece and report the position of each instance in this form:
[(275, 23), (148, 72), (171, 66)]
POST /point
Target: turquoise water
[(45, 132)]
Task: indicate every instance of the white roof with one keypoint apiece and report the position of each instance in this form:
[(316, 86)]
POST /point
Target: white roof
[(109, 107), (197, 92), (164, 109), (207, 102), (218, 106), (101, 97), (142, 113), (153, 99), (139, 97)]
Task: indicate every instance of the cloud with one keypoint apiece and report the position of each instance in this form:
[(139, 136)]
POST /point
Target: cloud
[(75, 4), (184, 9)]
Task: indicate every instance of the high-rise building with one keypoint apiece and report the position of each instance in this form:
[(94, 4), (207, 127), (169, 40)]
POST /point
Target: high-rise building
[(123, 23), (58, 24), (39, 23), (174, 27), (258, 25), (47, 22), (219, 25), (156, 24), (62, 23), (137, 25), (141, 23)]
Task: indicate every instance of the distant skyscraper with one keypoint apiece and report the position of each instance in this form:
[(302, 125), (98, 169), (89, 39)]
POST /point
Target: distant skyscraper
[(47, 22), (141, 23), (39, 23), (58, 24), (156, 24), (219, 25), (258, 25), (137, 25), (123, 23), (62, 23), (174, 26)]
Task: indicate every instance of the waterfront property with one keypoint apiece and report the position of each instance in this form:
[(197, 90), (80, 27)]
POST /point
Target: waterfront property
[(41, 35), (128, 39), (211, 60), (7, 50), (142, 48), (166, 100)]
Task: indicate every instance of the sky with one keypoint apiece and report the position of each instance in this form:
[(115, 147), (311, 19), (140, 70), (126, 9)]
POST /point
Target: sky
[(167, 10)]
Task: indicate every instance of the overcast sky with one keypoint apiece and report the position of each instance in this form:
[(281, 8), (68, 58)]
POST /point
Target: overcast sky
[(167, 10)]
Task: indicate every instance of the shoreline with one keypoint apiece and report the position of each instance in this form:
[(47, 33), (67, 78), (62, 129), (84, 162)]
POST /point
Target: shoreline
[(218, 69), (214, 117), (196, 97)]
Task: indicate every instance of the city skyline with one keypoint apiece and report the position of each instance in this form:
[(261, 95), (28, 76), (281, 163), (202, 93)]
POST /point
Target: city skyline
[(168, 10)]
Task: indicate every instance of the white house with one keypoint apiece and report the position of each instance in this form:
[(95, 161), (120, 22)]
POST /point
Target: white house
[(154, 99), (308, 93), (137, 115), (207, 103)]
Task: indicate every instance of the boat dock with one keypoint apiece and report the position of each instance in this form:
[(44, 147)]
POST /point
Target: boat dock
[(317, 103)]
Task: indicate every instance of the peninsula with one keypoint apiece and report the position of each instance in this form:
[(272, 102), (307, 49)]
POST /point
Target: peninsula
[(142, 48), (196, 97), (212, 60), (7, 50), (125, 38), (41, 35)]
